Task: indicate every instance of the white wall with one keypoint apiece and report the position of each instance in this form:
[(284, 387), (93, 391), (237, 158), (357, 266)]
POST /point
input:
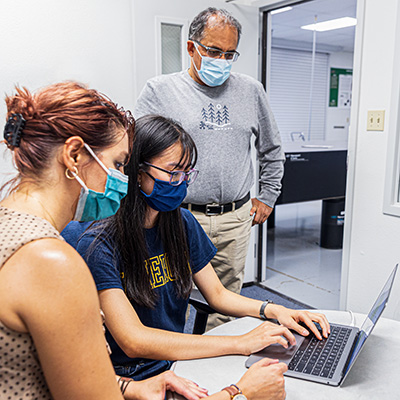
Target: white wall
[(336, 116), (371, 243), (45, 41)]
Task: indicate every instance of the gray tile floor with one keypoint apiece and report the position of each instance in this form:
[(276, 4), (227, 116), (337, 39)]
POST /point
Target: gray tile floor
[(296, 265)]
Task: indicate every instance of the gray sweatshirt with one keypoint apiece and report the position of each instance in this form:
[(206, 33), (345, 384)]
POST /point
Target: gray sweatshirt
[(221, 121)]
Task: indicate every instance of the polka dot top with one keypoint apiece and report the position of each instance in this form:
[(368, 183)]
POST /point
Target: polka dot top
[(21, 376)]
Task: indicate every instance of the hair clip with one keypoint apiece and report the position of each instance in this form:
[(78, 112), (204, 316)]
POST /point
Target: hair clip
[(13, 129)]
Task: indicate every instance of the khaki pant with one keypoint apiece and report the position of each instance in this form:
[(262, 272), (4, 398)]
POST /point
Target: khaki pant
[(230, 234)]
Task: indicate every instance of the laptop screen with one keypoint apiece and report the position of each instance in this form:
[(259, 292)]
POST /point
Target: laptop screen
[(372, 318)]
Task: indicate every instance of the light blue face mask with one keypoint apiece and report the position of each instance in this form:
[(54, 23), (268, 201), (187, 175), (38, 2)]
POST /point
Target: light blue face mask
[(93, 206), (213, 71)]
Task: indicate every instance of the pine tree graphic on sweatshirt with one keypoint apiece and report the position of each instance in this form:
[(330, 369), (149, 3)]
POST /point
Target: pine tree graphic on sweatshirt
[(215, 117)]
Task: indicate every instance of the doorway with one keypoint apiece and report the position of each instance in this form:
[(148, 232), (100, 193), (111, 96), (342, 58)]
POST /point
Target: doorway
[(307, 72)]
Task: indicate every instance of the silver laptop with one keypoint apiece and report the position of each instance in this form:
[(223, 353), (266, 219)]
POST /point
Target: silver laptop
[(328, 360)]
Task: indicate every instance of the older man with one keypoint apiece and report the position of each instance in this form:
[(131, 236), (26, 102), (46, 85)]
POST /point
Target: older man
[(222, 110)]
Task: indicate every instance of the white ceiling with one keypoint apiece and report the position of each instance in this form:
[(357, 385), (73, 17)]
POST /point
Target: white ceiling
[(286, 25)]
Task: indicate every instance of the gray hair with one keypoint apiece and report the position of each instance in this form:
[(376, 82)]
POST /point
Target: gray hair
[(200, 22)]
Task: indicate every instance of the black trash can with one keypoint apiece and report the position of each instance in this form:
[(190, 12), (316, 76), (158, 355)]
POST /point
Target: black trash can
[(332, 223)]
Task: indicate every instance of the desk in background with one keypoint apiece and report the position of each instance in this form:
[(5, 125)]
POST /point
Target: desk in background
[(313, 171), (374, 375), (317, 171)]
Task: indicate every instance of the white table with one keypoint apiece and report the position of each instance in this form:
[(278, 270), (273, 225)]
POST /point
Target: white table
[(375, 375)]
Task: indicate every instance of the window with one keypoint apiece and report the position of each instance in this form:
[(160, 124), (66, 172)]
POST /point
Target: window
[(171, 49), (171, 45)]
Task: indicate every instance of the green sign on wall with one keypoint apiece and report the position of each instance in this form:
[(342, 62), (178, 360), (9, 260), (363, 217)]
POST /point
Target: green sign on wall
[(340, 88)]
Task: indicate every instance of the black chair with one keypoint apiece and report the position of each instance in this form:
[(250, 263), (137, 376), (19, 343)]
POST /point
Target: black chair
[(202, 311)]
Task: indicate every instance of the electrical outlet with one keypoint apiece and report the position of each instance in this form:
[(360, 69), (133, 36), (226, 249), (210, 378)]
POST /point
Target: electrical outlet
[(376, 120)]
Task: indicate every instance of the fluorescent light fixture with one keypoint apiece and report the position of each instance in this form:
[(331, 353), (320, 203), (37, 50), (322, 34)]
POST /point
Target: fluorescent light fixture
[(338, 23), (281, 10)]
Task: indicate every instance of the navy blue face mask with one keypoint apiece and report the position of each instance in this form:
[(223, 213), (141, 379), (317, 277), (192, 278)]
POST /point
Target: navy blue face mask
[(164, 196)]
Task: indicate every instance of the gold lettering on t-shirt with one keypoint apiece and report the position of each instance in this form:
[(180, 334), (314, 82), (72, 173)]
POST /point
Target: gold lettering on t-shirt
[(159, 270)]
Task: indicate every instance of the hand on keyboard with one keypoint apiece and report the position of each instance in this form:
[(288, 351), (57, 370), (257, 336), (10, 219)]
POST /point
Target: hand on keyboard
[(292, 318), (317, 325)]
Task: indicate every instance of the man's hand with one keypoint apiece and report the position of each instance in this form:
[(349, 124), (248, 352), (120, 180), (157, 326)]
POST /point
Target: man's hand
[(264, 380), (261, 210)]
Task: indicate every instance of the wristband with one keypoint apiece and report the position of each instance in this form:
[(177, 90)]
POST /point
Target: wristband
[(124, 382), (235, 392), (262, 309)]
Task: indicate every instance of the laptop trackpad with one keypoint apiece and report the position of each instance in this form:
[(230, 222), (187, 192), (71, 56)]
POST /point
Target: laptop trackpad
[(276, 351)]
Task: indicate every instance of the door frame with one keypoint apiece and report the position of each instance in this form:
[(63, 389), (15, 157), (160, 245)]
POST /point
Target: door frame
[(265, 22)]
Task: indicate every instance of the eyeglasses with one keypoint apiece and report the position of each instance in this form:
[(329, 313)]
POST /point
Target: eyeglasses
[(177, 177), (216, 53)]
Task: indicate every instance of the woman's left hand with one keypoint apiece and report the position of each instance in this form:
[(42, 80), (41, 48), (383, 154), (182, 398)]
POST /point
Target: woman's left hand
[(156, 387), (291, 318)]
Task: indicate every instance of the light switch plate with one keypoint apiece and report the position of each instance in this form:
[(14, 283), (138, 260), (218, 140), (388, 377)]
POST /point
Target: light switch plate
[(376, 120)]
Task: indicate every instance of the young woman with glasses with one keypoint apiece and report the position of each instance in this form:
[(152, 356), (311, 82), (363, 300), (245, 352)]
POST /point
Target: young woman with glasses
[(145, 258)]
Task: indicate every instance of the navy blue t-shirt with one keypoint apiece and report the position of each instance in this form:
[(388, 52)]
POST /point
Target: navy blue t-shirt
[(104, 263)]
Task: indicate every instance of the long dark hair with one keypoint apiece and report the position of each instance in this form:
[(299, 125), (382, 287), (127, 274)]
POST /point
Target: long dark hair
[(153, 135)]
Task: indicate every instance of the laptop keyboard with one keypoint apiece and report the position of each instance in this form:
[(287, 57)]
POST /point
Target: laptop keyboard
[(321, 357)]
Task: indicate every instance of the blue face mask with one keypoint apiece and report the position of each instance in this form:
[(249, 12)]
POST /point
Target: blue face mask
[(164, 196), (213, 71), (93, 206)]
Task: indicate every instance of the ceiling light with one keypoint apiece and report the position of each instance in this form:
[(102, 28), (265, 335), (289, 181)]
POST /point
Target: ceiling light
[(281, 10), (338, 23)]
